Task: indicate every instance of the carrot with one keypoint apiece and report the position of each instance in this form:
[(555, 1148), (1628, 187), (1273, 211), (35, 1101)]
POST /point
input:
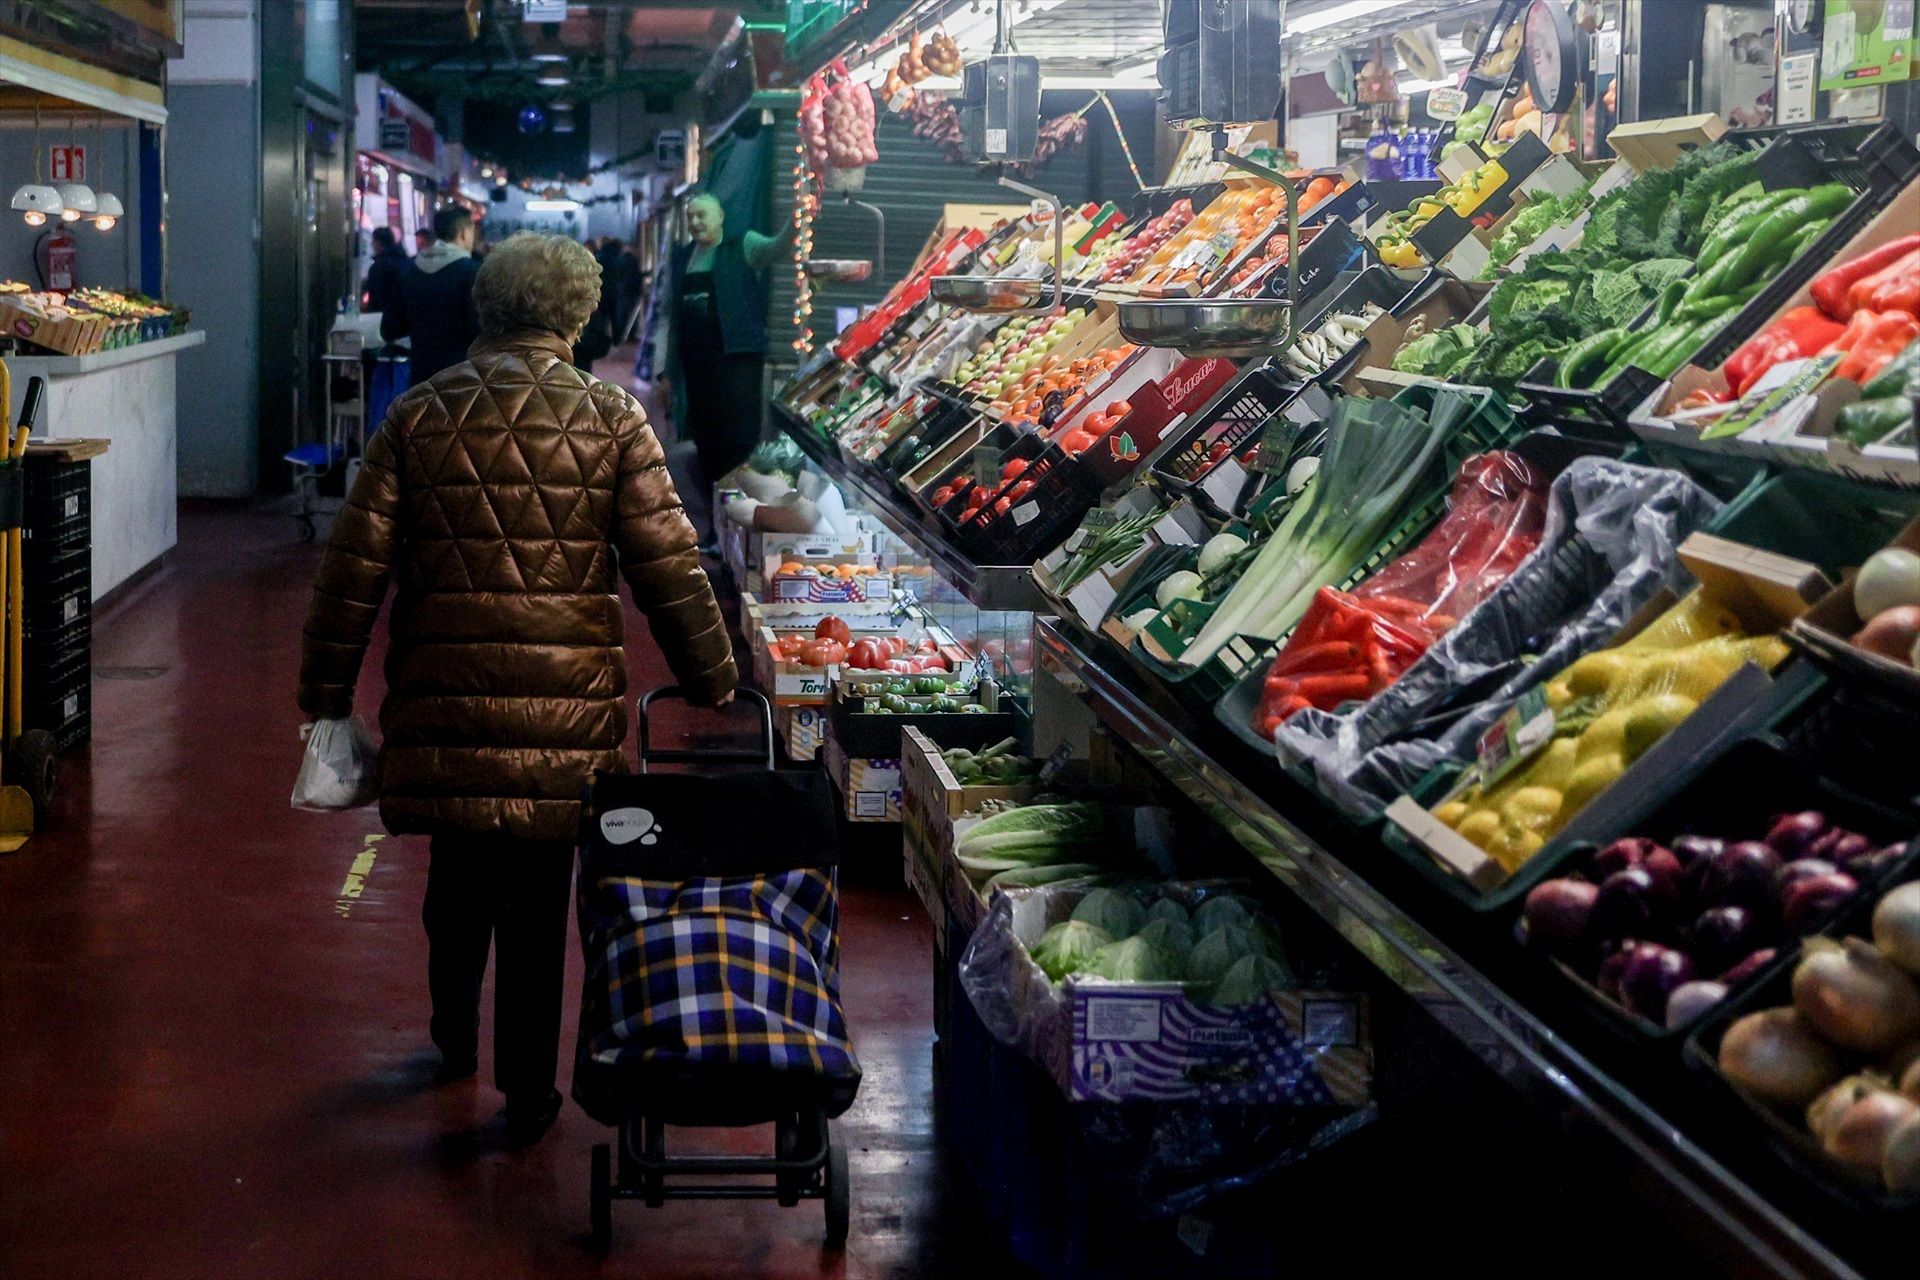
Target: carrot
[(1331, 691)]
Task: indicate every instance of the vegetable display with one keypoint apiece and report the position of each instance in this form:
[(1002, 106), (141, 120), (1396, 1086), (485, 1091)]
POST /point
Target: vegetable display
[(1844, 1057), (1610, 707), (994, 766), (1350, 646), (1228, 955), (1668, 929), (1319, 350)]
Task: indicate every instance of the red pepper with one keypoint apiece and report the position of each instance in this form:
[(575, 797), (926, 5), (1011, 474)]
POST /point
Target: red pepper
[(1832, 290), (1795, 335), (1897, 288), (1882, 341)]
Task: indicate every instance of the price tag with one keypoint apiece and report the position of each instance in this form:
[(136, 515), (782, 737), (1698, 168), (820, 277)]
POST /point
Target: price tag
[(1446, 103), (1784, 382), (1025, 513), (1276, 446), (1055, 763), (986, 464), (1516, 736)]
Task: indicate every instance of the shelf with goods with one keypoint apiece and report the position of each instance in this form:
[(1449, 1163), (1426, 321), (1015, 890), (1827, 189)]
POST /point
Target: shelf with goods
[(1305, 595)]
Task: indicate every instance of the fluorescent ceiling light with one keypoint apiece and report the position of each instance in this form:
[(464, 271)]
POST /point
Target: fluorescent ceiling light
[(553, 206), (549, 57), (1338, 14), (551, 81)]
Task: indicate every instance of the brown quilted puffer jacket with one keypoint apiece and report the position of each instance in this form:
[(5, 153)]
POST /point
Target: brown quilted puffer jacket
[(497, 494)]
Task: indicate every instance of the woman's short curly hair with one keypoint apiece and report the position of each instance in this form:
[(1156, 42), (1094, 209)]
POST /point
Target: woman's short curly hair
[(531, 281)]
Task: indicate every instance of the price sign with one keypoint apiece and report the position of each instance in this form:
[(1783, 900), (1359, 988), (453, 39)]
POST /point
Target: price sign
[(1515, 737), (1446, 103)]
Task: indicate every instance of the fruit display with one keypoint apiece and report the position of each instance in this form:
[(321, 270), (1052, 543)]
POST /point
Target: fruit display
[(1002, 362), (1843, 1060), (1666, 929), (1610, 707), (1218, 234), (1147, 241)]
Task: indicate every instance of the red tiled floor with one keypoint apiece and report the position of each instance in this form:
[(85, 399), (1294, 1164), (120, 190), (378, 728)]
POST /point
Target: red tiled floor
[(209, 1057)]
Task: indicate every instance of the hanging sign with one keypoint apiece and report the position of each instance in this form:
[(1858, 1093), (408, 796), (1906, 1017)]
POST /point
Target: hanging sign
[(1794, 98), (543, 10), (1863, 45), (670, 148), (67, 164)]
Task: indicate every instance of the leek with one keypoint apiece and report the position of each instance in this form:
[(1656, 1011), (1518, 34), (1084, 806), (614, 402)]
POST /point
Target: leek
[(1374, 461)]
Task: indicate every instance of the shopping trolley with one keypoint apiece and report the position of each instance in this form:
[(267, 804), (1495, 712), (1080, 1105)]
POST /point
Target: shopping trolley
[(362, 381), (709, 912)]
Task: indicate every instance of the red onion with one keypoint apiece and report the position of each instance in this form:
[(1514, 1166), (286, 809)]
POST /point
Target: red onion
[(1627, 905), (1810, 900), (1722, 937), (1620, 855), (1651, 974), (1611, 969), (1748, 967), (1742, 876), (1691, 999), (1693, 849), (1792, 833), (1791, 873), (1558, 911)]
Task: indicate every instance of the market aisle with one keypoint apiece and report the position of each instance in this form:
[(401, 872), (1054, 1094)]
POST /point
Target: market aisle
[(213, 1010)]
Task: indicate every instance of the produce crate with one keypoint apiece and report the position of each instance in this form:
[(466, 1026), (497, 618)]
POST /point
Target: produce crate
[(1487, 424), (1733, 796), (1765, 1138), (869, 786), (59, 699), (1817, 518), (1228, 426), (1824, 634), (877, 734), (803, 730), (1762, 597), (59, 504), (1378, 285), (1161, 388), (1064, 488), (930, 799), (1878, 167), (59, 590)]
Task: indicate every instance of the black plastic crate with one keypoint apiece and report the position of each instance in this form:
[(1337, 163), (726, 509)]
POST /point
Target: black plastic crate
[(47, 639), (59, 587), (59, 698), (1064, 488)]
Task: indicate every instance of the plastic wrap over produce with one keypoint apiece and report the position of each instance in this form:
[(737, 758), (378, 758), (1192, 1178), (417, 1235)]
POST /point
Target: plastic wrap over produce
[(1178, 996), (1611, 541)]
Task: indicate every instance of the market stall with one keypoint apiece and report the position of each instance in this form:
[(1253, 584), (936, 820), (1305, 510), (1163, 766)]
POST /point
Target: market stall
[(1288, 592)]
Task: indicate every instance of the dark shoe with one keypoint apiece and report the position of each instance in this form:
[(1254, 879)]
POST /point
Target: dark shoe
[(452, 1070), (528, 1121)]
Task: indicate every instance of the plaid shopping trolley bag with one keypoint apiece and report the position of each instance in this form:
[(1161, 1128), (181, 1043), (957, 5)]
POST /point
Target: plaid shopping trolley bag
[(708, 914)]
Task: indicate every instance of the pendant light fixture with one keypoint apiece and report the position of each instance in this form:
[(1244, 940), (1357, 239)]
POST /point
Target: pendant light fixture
[(36, 201), (76, 198), (107, 210)]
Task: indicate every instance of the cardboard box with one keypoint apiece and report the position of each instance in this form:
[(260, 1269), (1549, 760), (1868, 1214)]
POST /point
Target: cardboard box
[(1159, 1042), (931, 800), (1451, 302), (869, 788), (791, 684), (803, 730), (1766, 592), (1659, 144), (1824, 631)]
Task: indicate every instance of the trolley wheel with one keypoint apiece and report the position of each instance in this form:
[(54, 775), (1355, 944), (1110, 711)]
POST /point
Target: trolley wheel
[(600, 1197), (839, 1197), (308, 530), (786, 1143), (35, 764)]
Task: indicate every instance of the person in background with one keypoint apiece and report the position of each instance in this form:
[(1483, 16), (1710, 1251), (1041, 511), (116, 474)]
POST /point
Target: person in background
[(434, 304), (505, 672), (597, 338), (384, 272), (422, 240), (718, 342), (620, 276)]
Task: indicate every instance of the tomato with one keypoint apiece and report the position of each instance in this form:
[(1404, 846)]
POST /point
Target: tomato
[(868, 654), (1021, 488), (832, 628), (902, 665), (926, 644), (823, 653), (1012, 468), (1077, 442), (1219, 451), (1002, 505), (1096, 423), (1119, 409), (896, 645), (976, 499), (940, 496)]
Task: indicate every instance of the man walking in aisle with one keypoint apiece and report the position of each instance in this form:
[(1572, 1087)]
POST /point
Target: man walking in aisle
[(434, 305), (384, 272)]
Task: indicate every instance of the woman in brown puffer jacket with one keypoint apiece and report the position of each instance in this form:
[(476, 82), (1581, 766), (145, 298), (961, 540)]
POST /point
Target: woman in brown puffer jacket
[(500, 495)]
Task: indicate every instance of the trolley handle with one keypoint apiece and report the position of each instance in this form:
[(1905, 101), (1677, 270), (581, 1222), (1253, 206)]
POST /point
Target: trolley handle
[(30, 403), (697, 755)]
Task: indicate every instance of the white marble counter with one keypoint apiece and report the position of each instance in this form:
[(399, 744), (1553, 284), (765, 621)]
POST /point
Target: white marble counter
[(125, 396)]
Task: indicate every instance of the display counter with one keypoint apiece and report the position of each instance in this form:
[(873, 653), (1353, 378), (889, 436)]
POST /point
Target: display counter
[(125, 396)]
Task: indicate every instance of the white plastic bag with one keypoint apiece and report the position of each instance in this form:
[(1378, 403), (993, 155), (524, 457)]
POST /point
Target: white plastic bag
[(339, 768)]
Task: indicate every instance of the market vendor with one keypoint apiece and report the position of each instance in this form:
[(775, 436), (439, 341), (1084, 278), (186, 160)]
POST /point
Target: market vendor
[(719, 335)]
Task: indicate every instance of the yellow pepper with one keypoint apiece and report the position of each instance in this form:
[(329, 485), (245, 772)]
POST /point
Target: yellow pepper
[(1399, 252)]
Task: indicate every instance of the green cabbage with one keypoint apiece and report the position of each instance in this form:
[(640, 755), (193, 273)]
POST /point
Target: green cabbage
[(1250, 980), (1027, 877), (1174, 937), (1136, 960), (1118, 912), (1070, 947), (1225, 946), (1221, 909), (1167, 909), (1029, 836)]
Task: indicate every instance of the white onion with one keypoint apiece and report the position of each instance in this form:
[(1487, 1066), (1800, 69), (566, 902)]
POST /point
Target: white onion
[(1889, 579), (1896, 927)]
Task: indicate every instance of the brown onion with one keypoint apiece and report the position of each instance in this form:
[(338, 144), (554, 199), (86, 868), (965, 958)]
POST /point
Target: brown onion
[(1860, 1136), (1824, 1112), (1777, 1056), (1856, 997), (1910, 1082), (1896, 926), (1900, 1161)]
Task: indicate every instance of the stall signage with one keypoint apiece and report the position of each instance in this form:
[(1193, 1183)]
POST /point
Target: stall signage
[(67, 164), (543, 10), (1795, 96), (670, 148), (1446, 103), (394, 135), (1863, 46)]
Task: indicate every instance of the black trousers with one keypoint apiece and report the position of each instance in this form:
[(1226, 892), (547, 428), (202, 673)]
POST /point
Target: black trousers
[(724, 408), (515, 895)]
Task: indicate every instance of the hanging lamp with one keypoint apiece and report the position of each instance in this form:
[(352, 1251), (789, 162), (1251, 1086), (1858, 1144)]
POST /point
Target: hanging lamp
[(76, 198), (107, 210), (36, 201)]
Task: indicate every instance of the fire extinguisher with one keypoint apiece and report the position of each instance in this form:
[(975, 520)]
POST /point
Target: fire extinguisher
[(54, 254)]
